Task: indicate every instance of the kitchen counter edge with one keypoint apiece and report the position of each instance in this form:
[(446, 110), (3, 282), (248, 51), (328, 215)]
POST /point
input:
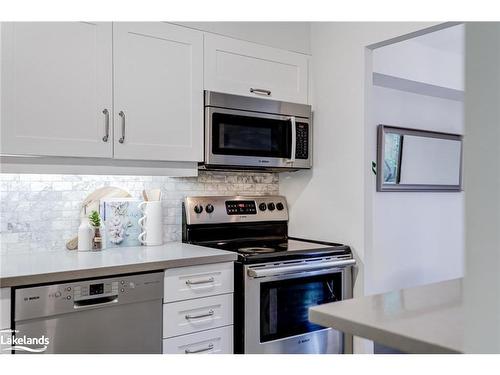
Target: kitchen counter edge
[(111, 270), (330, 316)]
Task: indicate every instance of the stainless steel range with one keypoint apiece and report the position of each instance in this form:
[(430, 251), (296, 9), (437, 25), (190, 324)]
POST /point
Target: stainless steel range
[(277, 278)]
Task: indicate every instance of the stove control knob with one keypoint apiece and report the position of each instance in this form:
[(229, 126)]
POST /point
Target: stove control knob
[(209, 208), (262, 207), (271, 206), (280, 206), (198, 208)]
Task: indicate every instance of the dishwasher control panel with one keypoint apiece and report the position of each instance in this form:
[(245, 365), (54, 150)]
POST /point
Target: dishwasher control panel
[(46, 300), (96, 290)]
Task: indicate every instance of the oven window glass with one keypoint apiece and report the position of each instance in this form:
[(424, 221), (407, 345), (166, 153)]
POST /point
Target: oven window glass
[(284, 304), (250, 136)]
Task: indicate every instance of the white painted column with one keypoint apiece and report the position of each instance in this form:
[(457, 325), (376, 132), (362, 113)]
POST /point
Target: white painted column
[(482, 188)]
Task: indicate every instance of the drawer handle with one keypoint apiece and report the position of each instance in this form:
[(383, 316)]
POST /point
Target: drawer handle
[(209, 313), (209, 347), (260, 91), (203, 281)]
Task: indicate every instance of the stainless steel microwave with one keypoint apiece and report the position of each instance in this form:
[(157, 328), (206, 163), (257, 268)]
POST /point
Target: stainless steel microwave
[(251, 133)]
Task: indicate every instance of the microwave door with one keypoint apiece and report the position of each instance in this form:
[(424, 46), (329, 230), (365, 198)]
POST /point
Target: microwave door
[(241, 138)]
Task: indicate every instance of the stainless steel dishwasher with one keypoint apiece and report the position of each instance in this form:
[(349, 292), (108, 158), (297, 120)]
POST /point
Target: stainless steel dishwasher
[(108, 315)]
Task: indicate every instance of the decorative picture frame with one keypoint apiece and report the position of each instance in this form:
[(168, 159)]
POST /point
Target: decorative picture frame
[(443, 174)]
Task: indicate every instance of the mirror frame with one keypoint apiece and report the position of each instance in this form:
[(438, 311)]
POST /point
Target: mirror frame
[(381, 186)]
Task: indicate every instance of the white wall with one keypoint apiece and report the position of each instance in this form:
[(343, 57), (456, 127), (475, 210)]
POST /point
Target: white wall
[(327, 202), (292, 36), (436, 58), (417, 237), (482, 184)]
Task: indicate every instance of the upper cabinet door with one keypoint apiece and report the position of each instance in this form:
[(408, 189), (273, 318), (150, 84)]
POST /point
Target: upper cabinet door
[(243, 68), (56, 88), (158, 92)]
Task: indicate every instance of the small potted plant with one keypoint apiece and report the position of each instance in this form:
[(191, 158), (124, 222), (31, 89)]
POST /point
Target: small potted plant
[(95, 221)]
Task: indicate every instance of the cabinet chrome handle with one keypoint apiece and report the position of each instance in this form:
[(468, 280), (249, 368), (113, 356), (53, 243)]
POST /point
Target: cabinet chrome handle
[(209, 347), (209, 313), (260, 91), (106, 125), (122, 115), (204, 281)]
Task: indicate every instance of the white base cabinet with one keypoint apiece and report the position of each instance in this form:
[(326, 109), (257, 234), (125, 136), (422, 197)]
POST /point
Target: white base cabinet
[(243, 68), (198, 309), (180, 318), (198, 281), (213, 341)]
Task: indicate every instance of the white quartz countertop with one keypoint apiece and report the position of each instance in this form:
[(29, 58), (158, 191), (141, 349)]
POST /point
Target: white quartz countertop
[(424, 319), (43, 267)]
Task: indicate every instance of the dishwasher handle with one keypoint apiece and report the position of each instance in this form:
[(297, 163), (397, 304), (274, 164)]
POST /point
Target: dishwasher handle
[(95, 302)]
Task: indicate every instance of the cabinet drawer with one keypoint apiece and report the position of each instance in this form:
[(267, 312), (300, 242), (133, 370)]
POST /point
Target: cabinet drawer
[(213, 341), (180, 318), (243, 68), (198, 281)]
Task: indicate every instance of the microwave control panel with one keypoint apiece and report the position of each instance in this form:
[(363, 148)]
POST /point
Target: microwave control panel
[(302, 151)]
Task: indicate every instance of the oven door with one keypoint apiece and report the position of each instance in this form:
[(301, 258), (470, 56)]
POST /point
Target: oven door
[(277, 308), (235, 138)]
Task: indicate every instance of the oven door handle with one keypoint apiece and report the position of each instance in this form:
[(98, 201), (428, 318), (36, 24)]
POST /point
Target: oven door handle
[(294, 141), (261, 272)]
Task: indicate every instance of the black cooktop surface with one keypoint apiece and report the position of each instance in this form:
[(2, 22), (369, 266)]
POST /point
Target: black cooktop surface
[(267, 250)]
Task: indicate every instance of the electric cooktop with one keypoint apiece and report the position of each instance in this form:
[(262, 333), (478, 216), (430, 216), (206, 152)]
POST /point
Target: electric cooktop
[(256, 227)]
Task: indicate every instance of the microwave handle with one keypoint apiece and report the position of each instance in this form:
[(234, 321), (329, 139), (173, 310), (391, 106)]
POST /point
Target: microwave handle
[(294, 140)]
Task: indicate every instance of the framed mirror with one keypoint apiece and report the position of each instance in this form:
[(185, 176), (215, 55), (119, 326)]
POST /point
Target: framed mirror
[(418, 160)]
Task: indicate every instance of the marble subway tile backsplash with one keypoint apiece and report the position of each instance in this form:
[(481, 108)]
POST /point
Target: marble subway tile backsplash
[(41, 212)]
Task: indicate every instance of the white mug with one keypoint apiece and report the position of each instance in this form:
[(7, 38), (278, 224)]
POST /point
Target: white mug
[(151, 223)]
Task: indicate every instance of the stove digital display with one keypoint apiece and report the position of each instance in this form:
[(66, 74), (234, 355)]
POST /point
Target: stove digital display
[(241, 208)]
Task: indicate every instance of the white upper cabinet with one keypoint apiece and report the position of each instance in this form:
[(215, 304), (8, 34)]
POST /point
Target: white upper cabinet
[(243, 68), (158, 92), (129, 91), (56, 87)]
